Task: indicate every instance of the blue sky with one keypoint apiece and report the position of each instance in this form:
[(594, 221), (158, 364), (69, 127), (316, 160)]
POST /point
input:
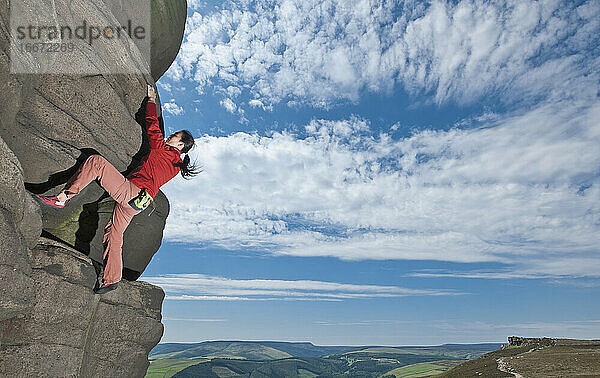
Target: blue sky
[(384, 172)]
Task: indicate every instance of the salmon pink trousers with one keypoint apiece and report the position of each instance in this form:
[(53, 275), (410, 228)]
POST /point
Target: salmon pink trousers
[(121, 190)]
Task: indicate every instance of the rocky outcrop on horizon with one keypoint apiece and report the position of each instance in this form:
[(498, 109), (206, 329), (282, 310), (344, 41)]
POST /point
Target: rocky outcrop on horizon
[(519, 341), (51, 323)]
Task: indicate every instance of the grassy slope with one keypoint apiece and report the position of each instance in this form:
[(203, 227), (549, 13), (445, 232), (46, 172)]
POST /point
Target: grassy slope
[(450, 351), (250, 351), (425, 369), (244, 349), (414, 355), (566, 358), (485, 365), (253, 352), (293, 367), (303, 373), (168, 368)]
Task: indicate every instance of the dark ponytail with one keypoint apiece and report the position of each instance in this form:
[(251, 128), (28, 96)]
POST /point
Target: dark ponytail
[(188, 170)]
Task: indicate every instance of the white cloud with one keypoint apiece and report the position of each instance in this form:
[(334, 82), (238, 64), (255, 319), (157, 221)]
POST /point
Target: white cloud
[(204, 287), (521, 189), (321, 51), (165, 86), (233, 91), (498, 275), (172, 108), (229, 105), (255, 103)]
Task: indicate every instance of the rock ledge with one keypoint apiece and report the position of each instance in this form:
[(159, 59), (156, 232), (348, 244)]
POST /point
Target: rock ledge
[(67, 330)]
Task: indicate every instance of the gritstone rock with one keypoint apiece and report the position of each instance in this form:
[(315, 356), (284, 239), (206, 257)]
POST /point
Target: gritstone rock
[(73, 332), (53, 122)]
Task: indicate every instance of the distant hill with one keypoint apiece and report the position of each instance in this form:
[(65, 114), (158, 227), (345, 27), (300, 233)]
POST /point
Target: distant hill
[(535, 358), (285, 359), (272, 350), (249, 350)]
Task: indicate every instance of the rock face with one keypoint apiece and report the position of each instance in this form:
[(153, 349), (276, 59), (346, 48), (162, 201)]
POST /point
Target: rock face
[(53, 122), (51, 323), (20, 226), (168, 21), (70, 331)]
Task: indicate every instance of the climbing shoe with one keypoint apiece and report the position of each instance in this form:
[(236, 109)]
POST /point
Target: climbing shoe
[(52, 201), (106, 288)]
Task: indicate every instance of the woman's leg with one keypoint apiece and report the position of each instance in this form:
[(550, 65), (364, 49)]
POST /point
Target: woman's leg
[(121, 190), (97, 167), (113, 241)]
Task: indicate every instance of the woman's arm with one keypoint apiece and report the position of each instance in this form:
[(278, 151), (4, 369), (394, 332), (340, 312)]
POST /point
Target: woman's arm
[(155, 136), (151, 94)]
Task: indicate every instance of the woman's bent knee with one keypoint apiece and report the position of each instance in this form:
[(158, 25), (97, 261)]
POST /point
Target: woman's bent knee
[(94, 159)]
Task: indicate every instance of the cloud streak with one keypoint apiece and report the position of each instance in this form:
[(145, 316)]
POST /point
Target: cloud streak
[(199, 287), (499, 275)]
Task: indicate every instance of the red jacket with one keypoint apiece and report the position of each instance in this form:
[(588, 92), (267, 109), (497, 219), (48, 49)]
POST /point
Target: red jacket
[(158, 167)]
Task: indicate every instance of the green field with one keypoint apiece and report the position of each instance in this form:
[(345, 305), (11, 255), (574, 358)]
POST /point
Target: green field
[(425, 369), (442, 352), (169, 367), (225, 350)]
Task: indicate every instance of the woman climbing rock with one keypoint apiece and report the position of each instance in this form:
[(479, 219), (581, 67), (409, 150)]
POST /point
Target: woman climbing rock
[(132, 193)]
